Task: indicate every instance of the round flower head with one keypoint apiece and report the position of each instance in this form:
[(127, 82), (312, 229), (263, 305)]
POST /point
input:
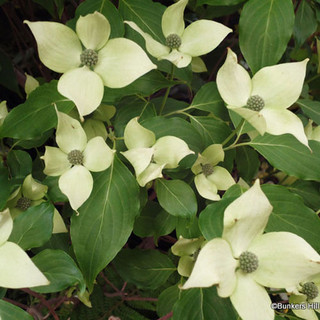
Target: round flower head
[(75, 158), (264, 99), (244, 259), (149, 156), (183, 45), (114, 63)]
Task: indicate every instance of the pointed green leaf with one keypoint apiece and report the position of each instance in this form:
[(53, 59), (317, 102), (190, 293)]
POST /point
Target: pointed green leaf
[(305, 23), (203, 304), (176, 197), (211, 130), (289, 155), (265, 29), (20, 163), (37, 115), (33, 227), (290, 214), (247, 161), (154, 221), (147, 269), (208, 99), (311, 108), (10, 312), (309, 191), (105, 220), (167, 299), (60, 270)]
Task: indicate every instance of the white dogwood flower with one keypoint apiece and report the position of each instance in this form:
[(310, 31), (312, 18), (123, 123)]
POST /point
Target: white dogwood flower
[(209, 177), (245, 260), (264, 99), (75, 158), (149, 156), (88, 59), (307, 294), (183, 44), (31, 194)]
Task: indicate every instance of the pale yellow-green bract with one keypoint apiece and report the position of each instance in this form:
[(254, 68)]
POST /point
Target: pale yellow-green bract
[(119, 61), (76, 181), (16, 268), (278, 86), (284, 259), (199, 38), (149, 156), (220, 179)]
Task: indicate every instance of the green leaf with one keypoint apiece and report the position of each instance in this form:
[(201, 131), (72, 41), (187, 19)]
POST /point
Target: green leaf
[(148, 269), (311, 109), (203, 304), (305, 23), (5, 186), (20, 163), (60, 270), (146, 14), (167, 299), (219, 2), (290, 156), (208, 99), (34, 143), (211, 130), (309, 191), (106, 219), (145, 86), (154, 222), (176, 197), (172, 105), (33, 227), (290, 214), (105, 7), (175, 127), (247, 161), (265, 29), (37, 115), (58, 241), (10, 312), (188, 228)]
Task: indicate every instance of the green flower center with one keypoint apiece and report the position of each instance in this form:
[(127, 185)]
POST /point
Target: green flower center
[(23, 203), (207, 169), (255, 103), (89, 58), (173, 41), (75, 157), (310, 290), (248, 262)]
